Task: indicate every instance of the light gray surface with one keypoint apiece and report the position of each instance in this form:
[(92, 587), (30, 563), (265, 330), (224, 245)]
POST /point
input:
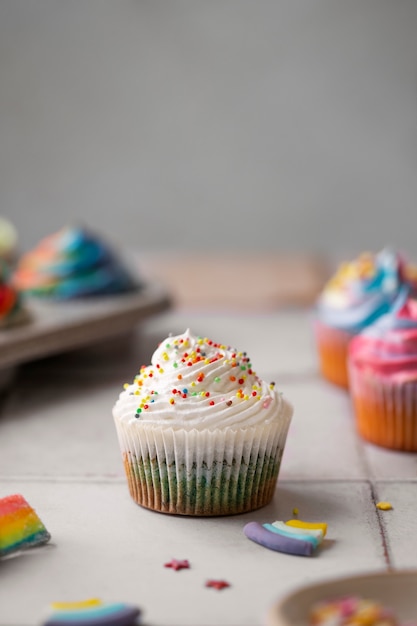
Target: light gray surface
[(286, 124), (58, 448)]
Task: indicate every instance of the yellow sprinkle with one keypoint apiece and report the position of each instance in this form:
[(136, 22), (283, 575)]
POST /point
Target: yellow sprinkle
[(295, 511), (245, 397), (172, 401), (206, 361), (76, 605), (193, 384), (137, 393), (126, 385), (384, 506), (297, 523), (160, 370)]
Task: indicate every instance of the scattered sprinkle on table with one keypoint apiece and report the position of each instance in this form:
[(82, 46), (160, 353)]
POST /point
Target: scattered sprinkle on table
[(177, 565), (217, 584), (384, 506)]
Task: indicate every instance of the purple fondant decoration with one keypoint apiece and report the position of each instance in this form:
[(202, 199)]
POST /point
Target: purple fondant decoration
[(257, 533)]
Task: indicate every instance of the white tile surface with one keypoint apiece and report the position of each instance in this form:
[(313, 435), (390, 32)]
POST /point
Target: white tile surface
[(399, 524), (105, 545), (58, 448), (390, 464)]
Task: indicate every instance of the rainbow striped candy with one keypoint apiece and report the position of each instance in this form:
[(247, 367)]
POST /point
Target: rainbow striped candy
[(20, 527), (93, 612), (292, 537)]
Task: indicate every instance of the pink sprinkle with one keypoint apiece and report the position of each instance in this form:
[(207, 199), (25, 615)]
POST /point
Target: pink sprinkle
[(266, 403)]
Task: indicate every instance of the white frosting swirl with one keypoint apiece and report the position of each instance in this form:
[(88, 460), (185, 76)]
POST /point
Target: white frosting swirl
[(194, 383)]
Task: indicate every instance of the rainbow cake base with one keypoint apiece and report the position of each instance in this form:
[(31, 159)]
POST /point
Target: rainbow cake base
[(20, 526), (190, 490)]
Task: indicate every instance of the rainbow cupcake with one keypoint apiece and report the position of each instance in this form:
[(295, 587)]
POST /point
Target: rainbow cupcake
[(383, 378), (20, 526), (72, 263), (358, 294), (200, 433)]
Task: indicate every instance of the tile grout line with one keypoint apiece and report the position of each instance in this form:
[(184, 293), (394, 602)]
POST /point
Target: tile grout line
[(372, 484), (382, 531)]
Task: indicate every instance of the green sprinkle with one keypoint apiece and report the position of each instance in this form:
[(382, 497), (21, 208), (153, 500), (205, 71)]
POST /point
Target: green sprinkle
[(175, 364), (217, 379)]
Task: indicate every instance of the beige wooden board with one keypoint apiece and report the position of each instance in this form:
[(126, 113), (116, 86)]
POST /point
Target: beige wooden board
[(62, 325), (242, 281)]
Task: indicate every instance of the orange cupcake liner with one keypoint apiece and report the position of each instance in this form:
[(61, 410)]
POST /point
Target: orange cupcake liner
[(385, 412), (332, 346)]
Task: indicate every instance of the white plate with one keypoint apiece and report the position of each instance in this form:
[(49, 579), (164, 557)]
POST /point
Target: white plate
[(397, 590), (56, 326)]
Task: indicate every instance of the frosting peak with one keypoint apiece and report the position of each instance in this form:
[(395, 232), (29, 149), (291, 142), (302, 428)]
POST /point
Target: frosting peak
[(195, 383), (72, 263)]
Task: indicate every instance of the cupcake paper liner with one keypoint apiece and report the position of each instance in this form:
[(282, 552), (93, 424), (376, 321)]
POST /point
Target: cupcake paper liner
[(386, 412), (332, 345), (219, 472)]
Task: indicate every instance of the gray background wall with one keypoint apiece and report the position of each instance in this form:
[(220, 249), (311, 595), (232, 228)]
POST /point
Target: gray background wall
[(188, 124)]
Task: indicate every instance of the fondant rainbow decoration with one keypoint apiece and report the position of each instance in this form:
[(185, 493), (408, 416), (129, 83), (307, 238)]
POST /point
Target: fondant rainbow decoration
[(93, 612), (292, 537), (20, 527)]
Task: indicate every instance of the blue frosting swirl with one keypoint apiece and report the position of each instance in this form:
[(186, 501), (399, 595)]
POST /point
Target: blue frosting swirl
[(363, 291)]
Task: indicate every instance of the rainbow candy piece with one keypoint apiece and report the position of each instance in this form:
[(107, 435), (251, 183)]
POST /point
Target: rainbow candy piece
[(292, 537), (20, 527), (93, 612)]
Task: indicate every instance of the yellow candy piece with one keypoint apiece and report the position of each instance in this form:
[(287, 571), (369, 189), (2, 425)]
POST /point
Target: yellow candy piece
[(82, 604), (300, 524), (384, 506)]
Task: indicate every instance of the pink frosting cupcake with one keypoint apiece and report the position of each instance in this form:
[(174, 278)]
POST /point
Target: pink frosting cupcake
[(383, 378)]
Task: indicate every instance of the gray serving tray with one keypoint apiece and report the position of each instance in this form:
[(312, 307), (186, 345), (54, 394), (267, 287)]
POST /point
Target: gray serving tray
[(63, 325)]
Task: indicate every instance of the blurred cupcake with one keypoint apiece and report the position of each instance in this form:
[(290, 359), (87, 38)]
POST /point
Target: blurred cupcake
[(358, 294), (383, 378), (200, 433), (8, 240), (12, 309), (72, 263)]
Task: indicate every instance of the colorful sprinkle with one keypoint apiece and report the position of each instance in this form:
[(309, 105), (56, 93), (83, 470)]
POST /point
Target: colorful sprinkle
[(217, 584), (384, 506), (177, 565)]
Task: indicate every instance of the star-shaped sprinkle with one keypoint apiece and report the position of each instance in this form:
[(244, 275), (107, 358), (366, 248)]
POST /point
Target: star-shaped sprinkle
[(217, 584), (177, 565)]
